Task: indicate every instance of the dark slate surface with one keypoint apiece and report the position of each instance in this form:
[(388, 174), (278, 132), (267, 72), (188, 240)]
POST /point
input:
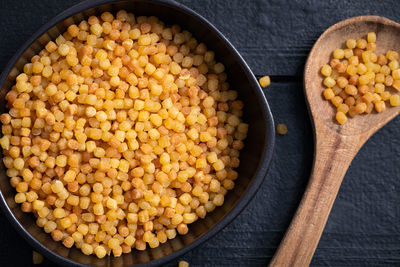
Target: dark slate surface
[(274, 37)]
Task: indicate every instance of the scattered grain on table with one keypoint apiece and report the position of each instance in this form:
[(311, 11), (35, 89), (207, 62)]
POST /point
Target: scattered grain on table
[(264, 81), (281, 129), (183, 264), (37, 258)]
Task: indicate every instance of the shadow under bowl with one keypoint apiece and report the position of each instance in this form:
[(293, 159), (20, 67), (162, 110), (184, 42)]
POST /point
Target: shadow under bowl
[(255, 157)]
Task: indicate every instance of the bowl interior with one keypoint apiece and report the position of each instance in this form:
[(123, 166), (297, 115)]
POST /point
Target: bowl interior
[(254, 158)]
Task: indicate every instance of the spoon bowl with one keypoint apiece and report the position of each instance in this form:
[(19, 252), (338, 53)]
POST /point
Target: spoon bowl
[(387, 38), (335, 145)]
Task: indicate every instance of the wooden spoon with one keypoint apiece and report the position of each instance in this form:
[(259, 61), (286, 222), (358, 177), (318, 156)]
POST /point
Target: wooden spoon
[(335, 145)]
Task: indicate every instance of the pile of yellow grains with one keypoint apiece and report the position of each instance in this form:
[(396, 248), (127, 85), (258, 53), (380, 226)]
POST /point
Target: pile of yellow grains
[(359, 81), (121, 133)]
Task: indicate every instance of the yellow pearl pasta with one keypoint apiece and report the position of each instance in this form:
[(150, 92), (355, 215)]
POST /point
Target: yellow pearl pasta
[(120, 133), (359, 81)]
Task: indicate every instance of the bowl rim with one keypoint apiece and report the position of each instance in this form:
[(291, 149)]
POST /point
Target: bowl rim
[(244, 200)]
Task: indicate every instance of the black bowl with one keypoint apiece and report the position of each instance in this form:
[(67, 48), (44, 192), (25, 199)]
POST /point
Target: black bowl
[(255, 158)]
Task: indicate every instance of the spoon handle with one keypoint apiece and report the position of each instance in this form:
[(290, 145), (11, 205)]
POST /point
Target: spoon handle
[(333, 155)]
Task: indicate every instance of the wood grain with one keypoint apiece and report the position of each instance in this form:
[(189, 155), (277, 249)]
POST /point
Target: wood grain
[(336, 145)]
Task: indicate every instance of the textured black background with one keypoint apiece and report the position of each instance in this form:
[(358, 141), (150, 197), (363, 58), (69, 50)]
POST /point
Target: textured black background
[(274, 37)]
